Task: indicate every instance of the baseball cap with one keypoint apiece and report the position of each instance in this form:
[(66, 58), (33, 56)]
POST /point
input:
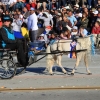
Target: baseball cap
[(6, 18), (75, 28), (42, 35)]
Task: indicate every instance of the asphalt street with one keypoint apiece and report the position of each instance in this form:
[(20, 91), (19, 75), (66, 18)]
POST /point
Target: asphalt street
[(34, 84)]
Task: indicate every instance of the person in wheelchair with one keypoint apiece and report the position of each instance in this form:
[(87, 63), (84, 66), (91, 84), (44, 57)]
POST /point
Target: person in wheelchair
[(8, 41)]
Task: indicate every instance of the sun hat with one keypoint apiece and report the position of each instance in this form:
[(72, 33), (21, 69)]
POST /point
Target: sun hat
[(67, 7), (95, 12), (76, 5)]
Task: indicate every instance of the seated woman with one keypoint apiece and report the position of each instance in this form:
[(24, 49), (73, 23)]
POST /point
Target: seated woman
[(65, 34), (84, 20)]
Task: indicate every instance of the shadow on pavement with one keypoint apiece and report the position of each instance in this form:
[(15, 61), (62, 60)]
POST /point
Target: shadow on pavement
[(40, 70)]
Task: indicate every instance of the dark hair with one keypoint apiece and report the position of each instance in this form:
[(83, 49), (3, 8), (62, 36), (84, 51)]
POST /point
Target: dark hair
[(45, 15), (53, 32), (82, 27), (64, 29), (24, 25), (78, 11), (39, 9), (97, 22)]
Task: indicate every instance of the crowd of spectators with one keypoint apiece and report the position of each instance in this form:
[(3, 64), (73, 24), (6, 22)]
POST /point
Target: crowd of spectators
[(67, 18)]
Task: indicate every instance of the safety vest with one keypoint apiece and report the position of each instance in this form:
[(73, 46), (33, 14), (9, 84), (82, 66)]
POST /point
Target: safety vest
[(10, 36)]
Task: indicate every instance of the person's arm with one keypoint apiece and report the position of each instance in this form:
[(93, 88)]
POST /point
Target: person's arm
[(84, 22), (93, 30), (83, 32), (29, 23), (5, 37), (41, 17), (51, 21), (19, 22), (12, 4), (75, 21)]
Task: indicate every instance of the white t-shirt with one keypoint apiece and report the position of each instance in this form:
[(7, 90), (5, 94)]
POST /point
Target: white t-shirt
[(12, 1), (16, 25)]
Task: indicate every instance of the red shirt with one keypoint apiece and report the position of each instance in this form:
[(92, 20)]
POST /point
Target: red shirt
[(96, 30), (0, 24)]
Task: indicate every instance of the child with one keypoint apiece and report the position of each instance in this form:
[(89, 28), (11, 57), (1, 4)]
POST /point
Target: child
[(41, 37), (74, 32), (25, 31), (53, 37)]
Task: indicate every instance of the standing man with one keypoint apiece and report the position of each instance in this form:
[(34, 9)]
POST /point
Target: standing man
[(32, 25), (72, 19)]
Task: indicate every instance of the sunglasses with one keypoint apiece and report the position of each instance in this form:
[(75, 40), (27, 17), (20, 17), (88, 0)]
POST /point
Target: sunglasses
[(7, 21)]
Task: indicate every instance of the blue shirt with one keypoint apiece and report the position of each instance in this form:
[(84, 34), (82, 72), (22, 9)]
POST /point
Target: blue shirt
[(85, 32), (72, 19), (32, 22)]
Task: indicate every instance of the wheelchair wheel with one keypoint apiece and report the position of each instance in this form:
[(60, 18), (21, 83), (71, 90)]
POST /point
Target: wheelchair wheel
[(7, 68)]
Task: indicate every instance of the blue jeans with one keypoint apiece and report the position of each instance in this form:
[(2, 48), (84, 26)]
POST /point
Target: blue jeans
[(95, 2), (63, 3), (89, 2), (49, 5)]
